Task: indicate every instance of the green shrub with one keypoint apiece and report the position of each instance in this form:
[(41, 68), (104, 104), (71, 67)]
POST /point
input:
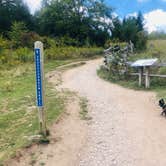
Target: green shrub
[(48, 42), (141, 41), (59, 42), (61, 53), (17, 30), (23, 55), (28, 38), (5, 56), (4, 44)]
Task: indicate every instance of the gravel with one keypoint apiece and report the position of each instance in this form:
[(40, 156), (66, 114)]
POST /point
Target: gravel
[(126, 127)]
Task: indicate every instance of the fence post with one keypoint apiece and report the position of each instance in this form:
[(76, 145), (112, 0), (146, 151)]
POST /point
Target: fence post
[(140, 75), (147, 77), (40, 85)]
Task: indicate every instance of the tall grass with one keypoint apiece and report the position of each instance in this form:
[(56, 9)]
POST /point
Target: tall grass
[(24, 55)]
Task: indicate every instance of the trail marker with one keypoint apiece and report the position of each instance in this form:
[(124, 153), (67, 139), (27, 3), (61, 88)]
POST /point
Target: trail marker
[(40, 84)]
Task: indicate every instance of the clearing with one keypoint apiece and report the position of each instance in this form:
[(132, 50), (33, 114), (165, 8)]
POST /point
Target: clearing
[(126, 128)]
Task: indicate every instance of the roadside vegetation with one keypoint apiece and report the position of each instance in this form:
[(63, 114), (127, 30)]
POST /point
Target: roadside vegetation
[(155, 49), (18, 118)]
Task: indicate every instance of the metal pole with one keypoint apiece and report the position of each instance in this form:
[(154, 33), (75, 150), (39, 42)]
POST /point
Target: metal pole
[(40, 85)]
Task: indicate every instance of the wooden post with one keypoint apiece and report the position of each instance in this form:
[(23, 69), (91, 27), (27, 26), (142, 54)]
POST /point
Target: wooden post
[(140, 75), (40, 85), (147, 77)]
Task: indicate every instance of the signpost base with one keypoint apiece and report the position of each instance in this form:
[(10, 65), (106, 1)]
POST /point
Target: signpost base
[(42, 122)]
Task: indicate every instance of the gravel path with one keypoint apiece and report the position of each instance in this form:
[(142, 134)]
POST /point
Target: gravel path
[(126, 129)]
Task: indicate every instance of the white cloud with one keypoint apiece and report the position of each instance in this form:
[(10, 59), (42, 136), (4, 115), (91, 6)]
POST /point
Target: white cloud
[(155, 20), (33, 4)]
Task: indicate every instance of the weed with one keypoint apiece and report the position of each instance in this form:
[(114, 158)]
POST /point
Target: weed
[(33, 159), (84, 109), (42, 164)]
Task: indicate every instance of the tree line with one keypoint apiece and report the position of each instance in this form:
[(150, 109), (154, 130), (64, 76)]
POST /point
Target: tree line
[(73, 22)]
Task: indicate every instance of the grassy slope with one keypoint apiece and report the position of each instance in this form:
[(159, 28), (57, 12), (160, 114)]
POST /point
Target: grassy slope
[(17, 100), (156, 49)]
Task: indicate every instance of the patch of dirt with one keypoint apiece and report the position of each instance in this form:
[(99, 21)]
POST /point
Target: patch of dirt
[(68, 136)]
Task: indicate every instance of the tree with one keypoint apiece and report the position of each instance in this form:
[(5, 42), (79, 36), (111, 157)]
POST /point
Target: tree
[(140, 21), (84, 20), (45, 3), (15, 35), (130, 29), (11, 11), (117, 29)]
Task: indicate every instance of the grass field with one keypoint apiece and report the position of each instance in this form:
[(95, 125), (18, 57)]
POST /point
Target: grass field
[(18, 118), (156, 49)]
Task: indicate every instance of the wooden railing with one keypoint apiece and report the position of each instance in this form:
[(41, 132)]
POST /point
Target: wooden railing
[(151, 75)]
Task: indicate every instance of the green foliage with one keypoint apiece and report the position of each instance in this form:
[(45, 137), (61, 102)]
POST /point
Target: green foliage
[(4, 50), (83, 20), (11, 11), (157, 84), (59, 42), (141, 41), (140, 21), (155, 49), (23, 55), (61, 53), (55, 49), (4, 44), (157, 35), (114, 43), (17, 30), (5, 56), (28, 39), (131, 29), (21, 37)]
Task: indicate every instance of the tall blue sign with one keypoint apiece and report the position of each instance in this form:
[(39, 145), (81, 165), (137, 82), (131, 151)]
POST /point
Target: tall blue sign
[(39, 78)]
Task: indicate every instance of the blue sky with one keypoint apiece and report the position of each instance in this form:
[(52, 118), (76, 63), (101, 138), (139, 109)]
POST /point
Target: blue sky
[(154, 11), (124, 7)]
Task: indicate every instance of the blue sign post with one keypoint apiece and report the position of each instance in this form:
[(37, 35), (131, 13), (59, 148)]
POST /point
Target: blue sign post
[(39, 58), (39, 79)]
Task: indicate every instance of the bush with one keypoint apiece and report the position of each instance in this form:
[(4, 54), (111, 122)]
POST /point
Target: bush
[(28, 38), (59, 42), (5, 56), (23, 55), (62, 53), (141, 41), (17, 30)]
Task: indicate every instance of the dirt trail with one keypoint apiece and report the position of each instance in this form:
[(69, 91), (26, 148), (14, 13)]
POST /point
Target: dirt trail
[(68, 136), (126, 129)]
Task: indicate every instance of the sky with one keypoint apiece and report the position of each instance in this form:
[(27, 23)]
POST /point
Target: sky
[(154, 11)]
